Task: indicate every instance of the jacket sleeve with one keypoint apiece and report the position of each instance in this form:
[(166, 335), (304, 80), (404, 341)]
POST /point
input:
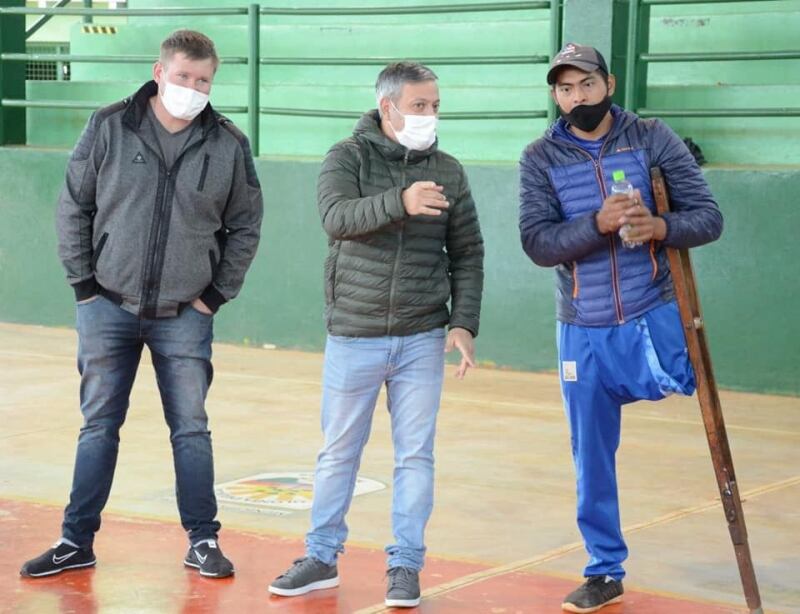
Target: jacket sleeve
[(77, 207), (465, 252), (241, 221), (345, 213), (546, 236), (695, 218)]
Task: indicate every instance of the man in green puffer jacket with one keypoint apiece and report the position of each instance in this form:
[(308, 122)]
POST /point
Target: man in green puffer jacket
[(404, 242)]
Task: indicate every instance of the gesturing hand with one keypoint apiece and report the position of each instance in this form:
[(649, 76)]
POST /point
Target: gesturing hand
[(424, 198), (461, 339)]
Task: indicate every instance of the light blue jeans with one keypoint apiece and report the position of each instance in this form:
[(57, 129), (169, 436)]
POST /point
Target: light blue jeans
[(412, 368)]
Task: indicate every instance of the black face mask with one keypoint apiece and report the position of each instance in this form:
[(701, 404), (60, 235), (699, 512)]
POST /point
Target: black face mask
[(587, 117)]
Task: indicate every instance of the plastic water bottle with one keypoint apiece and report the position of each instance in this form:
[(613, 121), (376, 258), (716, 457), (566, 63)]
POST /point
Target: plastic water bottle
[(623, 186)]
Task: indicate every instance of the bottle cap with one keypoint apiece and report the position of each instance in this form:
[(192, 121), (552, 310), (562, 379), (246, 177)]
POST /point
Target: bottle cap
[(618, 175)]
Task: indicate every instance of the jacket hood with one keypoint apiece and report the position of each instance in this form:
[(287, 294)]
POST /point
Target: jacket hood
[(368, 128)]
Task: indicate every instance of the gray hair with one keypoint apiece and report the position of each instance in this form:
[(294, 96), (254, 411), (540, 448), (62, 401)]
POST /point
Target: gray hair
[(392, 79)]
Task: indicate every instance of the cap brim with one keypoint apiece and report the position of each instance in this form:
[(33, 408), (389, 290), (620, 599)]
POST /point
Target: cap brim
[(580, 65)]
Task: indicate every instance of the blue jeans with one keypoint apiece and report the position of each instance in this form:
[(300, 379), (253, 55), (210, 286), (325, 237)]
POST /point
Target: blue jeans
[(412, 368), (603, 368), (110, 343)]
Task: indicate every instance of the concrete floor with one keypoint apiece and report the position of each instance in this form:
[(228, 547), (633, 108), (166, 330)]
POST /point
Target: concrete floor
[(502, 538)]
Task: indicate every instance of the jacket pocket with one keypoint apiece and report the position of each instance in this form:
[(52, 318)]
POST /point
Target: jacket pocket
[(201, 184), (99, 250), (212, 260), (575, 284), (333, 274), (653, 259)]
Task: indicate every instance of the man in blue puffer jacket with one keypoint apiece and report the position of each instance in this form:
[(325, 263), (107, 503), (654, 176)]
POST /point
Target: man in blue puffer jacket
[(619, 333)]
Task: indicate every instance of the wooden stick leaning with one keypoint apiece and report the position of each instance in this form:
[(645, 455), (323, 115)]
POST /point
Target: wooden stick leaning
[(689, 306)]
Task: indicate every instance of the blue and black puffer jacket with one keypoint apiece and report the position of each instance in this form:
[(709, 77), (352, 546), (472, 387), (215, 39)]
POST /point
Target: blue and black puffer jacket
[(600, 282)]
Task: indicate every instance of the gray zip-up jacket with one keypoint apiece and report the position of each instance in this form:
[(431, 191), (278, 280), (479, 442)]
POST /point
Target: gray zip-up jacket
[(153, 238)]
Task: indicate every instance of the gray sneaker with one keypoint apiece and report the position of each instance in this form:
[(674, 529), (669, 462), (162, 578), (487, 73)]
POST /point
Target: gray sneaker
[(305, 575), (403, 589)]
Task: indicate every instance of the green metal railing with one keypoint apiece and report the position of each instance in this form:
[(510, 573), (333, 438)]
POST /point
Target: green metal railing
[(44, 19), (638, 58), (254, 61)]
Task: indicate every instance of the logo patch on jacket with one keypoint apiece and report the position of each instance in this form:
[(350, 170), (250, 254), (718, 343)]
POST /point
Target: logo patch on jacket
[(139, 159), (569, 371)]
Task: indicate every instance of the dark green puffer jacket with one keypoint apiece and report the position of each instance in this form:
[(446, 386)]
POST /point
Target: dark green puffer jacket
[(388, 273)]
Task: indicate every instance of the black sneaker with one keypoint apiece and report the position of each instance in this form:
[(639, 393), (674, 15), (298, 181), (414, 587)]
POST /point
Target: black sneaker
[(305, 575), (403, 589), (208, 558), (59, 558), (595, 593)]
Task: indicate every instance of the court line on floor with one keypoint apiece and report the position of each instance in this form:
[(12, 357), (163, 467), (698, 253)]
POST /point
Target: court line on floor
[(217, 373), (37, 355), (525, 564), (25, 433), (629, 415), (446, 397)]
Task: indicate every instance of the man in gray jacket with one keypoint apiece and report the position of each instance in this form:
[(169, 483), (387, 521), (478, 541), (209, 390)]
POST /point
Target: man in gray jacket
[(158, 221), (404, 242)]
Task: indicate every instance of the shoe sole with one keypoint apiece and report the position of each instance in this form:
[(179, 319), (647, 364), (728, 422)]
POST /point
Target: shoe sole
[(402, 603), (57, 571), (206, 574), (295, 592), (571, 607)]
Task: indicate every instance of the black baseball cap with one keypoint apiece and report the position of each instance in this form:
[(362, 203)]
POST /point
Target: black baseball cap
[(581, 57)]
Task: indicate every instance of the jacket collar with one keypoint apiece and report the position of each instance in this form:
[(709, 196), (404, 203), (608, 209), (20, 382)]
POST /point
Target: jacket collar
[(368, 128), (622, 121), (137, 108)]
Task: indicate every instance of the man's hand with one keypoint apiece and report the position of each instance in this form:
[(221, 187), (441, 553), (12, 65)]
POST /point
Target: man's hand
[(644, 226), (462, 339), (200, 306), (609, 217), (424, 198)]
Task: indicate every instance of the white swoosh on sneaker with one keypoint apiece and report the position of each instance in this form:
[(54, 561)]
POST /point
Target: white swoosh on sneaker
[(57, 560), (200, 558)]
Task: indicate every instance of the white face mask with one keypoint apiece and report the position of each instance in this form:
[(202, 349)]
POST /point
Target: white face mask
[(183, 102), (419, 132)]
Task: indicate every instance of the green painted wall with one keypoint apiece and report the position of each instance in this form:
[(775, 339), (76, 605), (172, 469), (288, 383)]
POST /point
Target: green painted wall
[(748, 280)]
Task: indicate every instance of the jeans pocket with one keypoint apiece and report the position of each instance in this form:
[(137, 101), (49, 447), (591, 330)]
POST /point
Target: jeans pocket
[(342, 339), (198, 312), (88, 301), (435, 333)]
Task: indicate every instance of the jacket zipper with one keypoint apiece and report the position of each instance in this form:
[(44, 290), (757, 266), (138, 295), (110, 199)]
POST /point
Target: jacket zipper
[(149, 277), (202, 183), (613, 248), (156, 255), (598, 171), (398, 254)]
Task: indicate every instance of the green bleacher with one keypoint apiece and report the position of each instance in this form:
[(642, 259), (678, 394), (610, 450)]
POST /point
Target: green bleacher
[(752, 26)]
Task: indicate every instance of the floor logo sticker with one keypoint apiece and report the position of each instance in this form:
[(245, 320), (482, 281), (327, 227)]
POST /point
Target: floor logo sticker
[(291, 490)]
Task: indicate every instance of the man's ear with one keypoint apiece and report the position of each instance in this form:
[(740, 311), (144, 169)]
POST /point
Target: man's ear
[(158, 71), (612, 85), (384, 106)]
